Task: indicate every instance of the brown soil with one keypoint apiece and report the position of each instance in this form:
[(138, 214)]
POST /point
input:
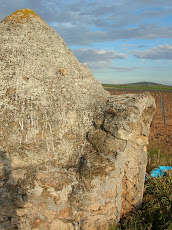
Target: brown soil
[(161, 130)]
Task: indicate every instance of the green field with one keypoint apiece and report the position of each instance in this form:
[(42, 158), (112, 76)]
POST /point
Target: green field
[(139, 87)]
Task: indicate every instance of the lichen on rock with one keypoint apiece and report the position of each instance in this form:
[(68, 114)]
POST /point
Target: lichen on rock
[(21, 15)]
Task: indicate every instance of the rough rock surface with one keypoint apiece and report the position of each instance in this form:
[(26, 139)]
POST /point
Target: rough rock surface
[(71, 156)]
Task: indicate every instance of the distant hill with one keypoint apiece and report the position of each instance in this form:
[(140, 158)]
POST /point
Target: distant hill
[(144, 83)]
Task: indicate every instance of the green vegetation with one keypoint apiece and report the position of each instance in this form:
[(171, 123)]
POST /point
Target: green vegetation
[(156, 158), (139, 87), (156, 210)]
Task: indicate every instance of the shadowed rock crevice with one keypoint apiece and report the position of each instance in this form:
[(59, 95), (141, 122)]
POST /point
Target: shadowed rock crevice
[(13, 196), (72, 156)]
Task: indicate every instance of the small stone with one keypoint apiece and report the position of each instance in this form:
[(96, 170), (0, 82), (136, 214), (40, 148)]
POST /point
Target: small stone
[(64, 213), (36, 223), (145, 148), (62, 71), (27, 205), (142, 140), (21, 212), (112, 111), (22, 204)]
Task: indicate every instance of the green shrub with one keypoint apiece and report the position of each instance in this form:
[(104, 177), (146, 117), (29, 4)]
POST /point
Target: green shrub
[(156, 158)]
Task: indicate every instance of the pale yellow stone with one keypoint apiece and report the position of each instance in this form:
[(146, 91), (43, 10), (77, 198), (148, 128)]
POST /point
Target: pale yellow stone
[(27, 205), (62, 71), (21, 212), (59, 225), (2, 174), (37, 222), (16, 175), (97, 212), (57, 162), (22, 204), (50, 215), (93, 207), (106, 206), (1, 183), (145, 148), (142, 140), (16, 162), (130, 196), (65, 212), (109, 194)]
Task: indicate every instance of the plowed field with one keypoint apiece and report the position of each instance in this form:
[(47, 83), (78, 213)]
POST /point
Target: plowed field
[(161, 127)]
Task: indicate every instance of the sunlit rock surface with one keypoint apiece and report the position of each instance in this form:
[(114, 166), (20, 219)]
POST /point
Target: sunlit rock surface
[(71, 156)]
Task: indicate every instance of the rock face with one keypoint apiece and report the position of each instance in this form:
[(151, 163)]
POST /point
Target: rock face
[(71, 156)]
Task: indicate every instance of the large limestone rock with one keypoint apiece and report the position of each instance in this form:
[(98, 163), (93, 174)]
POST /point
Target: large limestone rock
[(71, 155)]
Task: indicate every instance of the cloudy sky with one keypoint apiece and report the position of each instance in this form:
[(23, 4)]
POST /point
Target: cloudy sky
[(121, 41)]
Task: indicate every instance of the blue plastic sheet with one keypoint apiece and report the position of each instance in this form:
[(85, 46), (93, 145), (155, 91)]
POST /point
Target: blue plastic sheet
[(157, 172), (160, 171)]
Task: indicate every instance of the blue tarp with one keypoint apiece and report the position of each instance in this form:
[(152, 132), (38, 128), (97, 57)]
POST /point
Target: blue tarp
[(157, 172), (160, 171)]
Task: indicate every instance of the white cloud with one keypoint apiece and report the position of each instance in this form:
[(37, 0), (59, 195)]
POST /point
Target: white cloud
[(106, 66), (113, 20), (160, 52), (93, 55), (101, 59), (97, 65), (82, 35)]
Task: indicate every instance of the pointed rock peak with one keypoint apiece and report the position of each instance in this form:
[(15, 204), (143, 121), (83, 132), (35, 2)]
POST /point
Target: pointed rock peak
[(21, 16)]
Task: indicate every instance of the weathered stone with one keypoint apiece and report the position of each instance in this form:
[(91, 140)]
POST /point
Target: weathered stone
[(105, 142), (21, 212), (109, 194), (71, 155), (65, 212), (57, 224), (50, 215)]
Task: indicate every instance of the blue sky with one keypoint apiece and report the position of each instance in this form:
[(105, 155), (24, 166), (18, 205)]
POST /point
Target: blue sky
[(120, 41)]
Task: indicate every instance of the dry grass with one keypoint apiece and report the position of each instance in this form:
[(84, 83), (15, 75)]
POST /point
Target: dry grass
[(156, 211), (157, 157)]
